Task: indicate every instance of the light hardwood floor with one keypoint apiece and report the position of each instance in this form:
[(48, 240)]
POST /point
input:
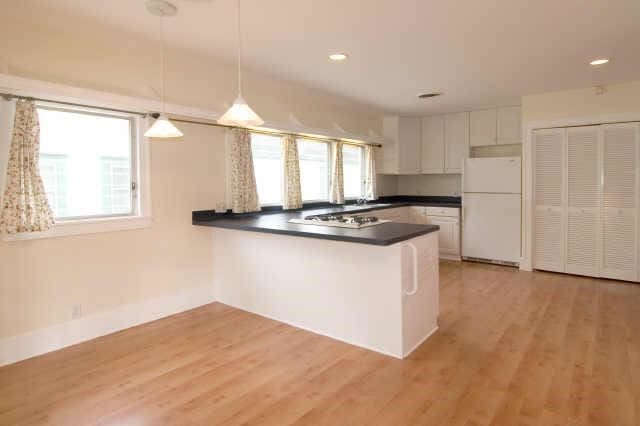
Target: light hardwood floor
[(514, 348)]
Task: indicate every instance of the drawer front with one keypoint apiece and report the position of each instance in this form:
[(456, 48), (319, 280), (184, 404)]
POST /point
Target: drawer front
[(443, 211)]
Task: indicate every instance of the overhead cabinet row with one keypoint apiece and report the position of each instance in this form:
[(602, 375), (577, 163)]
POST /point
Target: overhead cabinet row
[(439, 144), (501, 126)]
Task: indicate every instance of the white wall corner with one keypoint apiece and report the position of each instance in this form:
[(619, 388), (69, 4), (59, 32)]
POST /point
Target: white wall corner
[(38, 342)]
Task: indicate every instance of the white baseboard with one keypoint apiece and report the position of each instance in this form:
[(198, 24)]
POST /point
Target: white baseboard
[(314, 331), (38, 342), (424, 339)]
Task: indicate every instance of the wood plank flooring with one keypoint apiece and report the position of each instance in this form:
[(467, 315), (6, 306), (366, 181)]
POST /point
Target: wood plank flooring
[(514, 348)]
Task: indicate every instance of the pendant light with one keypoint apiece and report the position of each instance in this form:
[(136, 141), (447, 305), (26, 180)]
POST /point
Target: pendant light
[(240, 113), (162, 128)]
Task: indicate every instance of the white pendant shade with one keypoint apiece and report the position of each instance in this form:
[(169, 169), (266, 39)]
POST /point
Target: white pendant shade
[(240, 114), (163, 128)]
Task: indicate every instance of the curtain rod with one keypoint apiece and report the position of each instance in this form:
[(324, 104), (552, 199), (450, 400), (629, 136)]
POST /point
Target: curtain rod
[(270, 132), (9, 96)]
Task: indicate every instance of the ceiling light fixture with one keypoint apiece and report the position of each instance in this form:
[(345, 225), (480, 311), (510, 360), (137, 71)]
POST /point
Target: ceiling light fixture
[(429, 95), (338, 57), (162, 128), (240, 113), (600, 61)]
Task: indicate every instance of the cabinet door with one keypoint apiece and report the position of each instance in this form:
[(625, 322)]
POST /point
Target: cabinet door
[(398, 214), (409, 145), (418, 214), (482, 127), (433, 144), (456, 141), (509, 125), (583, 200), (448, 236), (548, 180), (619, 192)]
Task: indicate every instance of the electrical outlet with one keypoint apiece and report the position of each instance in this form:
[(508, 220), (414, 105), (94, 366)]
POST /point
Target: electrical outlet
[(76, 311)]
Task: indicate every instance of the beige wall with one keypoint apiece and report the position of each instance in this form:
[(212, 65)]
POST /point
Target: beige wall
[(45, 44), (616, 99), (578, 107), (41, 280), (387, 185)]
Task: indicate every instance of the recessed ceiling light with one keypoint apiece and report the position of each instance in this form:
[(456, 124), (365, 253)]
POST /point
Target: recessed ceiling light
[(338, 57), (429, 95), (600, 61)]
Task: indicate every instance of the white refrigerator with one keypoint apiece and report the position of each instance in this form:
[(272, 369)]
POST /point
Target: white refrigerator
[(491, 209)]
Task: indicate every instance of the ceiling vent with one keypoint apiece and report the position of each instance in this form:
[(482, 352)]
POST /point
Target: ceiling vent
[(429, 95)]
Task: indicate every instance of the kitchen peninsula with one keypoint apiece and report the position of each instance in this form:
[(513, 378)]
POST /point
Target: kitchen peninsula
[(374, 287)]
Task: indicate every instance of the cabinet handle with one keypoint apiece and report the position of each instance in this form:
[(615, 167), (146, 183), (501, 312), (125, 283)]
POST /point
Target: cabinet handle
[(414, 289)]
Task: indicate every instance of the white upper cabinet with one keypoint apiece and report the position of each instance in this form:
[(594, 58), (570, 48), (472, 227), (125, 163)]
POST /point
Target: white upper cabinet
[(445, 143), (509, 126), (401, 153), (483, 127), (456, 141), (433, 144), (501, 126), (409, 138)]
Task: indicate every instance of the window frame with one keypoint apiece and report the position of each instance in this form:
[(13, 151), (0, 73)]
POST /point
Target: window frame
[(251, 133), (330, 148), (140, 215), (328, 160), (362, 171), (133, 156)]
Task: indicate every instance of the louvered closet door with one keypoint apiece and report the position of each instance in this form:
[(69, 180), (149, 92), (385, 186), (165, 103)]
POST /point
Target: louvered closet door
[(619, 199), (583, 201), (548, 232)]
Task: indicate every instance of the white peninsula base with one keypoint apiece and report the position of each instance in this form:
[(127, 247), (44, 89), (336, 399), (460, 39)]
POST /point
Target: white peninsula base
[(358, 293)]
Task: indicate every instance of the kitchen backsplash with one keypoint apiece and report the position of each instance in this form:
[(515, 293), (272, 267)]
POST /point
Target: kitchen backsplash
[(438, 185)]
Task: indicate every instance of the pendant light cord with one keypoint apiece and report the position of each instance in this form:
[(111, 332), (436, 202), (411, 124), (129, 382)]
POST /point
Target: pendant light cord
[(239, 52), (163, 66)]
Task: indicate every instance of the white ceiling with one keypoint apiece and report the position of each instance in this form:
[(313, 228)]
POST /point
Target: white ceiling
[(478, 52)]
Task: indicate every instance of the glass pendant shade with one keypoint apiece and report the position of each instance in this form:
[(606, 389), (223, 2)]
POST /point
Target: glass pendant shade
[(240, 114), (163, 128)]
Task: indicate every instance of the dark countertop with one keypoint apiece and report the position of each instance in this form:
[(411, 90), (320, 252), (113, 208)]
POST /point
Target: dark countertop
[(276, 221)]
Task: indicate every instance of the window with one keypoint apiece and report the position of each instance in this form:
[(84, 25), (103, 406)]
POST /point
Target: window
[(267, 164), (116, 185), (314, 169), (353, 170), (53, 170), (87, 162)]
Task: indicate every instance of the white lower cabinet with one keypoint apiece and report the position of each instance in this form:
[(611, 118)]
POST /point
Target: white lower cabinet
[(447, 218), (397, 214)]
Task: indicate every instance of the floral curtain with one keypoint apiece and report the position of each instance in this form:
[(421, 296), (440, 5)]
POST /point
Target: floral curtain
[(24, 205), (336, 193), (244, 192), (370, 191), (291, 191)]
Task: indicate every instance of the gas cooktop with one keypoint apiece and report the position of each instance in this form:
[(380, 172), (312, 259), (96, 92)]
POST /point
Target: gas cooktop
[(340, 221)]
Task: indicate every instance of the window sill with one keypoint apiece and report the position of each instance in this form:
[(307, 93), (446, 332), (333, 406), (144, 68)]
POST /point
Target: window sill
[(85, 226)]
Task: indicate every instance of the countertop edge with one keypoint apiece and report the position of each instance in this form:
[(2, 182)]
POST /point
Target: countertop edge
[(369, 241)]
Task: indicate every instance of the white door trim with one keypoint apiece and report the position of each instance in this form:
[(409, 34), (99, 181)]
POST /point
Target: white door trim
[(527, 169)]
